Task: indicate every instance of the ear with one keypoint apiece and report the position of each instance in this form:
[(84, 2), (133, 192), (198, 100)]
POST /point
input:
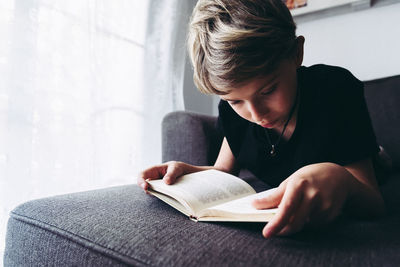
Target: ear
[(299, 50)]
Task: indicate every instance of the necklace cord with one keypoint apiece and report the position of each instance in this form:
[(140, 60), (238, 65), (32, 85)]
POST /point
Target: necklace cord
[(284, 126)]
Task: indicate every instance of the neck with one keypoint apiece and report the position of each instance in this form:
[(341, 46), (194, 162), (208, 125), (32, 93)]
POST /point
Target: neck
[(292, 121), (291, 126)]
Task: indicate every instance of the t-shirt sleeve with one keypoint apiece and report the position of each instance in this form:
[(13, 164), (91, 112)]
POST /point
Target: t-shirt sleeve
[(355, 139), (232, 126)]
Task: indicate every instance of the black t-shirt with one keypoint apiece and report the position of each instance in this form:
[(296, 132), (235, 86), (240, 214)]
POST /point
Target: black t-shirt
[(333, 125)]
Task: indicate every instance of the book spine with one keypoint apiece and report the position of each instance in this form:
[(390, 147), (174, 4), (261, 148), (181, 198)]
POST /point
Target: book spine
[(193, 218)]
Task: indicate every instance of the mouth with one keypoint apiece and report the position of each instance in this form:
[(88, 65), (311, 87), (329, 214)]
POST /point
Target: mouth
[(268, 125)]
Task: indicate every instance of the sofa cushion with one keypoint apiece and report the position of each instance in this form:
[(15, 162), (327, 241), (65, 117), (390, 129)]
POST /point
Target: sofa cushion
[(123, 226), (383, 98), (190, 137)]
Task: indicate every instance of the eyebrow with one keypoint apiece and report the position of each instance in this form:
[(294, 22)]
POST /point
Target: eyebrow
[(273, 84)]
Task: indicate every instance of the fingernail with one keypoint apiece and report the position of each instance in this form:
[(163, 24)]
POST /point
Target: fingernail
[(267, 233)]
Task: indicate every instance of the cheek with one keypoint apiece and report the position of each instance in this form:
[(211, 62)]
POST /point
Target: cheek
[(283, 101), (280, 105)]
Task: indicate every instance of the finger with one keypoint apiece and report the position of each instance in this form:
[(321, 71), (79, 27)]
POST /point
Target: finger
[(155, 172), (298, 220), (270, 201), (290, 202), (142, 183), (173, 171)]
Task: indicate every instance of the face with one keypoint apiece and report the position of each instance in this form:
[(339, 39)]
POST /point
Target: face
[(267, 100)]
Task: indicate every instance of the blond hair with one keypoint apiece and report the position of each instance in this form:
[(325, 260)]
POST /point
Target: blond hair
[(233, 41)]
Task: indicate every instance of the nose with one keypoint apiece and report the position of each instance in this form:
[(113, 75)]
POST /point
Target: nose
[(257, 111)]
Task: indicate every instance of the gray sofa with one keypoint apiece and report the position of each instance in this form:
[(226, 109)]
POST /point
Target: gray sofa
[(122, 226)]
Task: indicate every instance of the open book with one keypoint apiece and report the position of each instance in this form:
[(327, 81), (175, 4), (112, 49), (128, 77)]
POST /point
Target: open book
[(212, 196)]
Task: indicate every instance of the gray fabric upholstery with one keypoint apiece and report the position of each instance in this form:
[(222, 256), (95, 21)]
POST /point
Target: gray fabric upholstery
[(122, 226), (383, 98), (190, 137)]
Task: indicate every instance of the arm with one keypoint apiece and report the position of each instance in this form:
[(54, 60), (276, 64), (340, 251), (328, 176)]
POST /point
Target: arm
[(365, 199), (318, 193), (171, 170), (226, 160)]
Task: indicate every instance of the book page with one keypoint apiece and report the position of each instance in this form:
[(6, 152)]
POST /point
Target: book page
[(172, 202), (240, 210), (204, 189)]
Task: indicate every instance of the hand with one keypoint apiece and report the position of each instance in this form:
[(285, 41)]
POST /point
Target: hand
[(314, 194), (168, 171)]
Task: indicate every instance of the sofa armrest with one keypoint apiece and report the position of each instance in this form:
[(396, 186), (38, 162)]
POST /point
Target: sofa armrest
[(122, 226), (190, 137), (383, 97)]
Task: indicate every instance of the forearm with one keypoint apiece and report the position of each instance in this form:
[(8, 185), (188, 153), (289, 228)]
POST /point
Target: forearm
[(364, 200), (189, 168), (194, 168), (226, 162)]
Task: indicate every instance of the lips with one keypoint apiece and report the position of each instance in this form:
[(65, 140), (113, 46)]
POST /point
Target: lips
[(268, 125)]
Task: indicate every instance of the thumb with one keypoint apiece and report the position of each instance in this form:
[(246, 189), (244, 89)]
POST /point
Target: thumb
[(272, 200), (171, 174)]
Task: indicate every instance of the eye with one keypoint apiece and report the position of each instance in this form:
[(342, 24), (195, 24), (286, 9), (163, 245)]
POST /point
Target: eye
[(234, 102), (269, 91)]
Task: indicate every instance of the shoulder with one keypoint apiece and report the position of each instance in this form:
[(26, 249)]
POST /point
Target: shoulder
[(329, 75), (339, 111), (327, 71), (331, 82)]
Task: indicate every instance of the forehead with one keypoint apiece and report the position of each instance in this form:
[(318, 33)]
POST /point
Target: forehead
[(283, 70), (242, 90), (251, 86)]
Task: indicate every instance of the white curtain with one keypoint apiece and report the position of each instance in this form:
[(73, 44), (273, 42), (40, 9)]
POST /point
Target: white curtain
[(83, 88), (165, 55)]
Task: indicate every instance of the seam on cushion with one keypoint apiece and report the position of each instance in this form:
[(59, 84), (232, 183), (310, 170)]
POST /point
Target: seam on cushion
[(82, 241)]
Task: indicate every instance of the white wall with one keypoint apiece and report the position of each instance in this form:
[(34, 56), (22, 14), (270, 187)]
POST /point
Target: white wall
[(366, 42), (193, 99)]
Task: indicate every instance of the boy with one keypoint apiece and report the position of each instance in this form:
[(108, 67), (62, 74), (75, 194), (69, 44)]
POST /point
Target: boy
[(305, 130)]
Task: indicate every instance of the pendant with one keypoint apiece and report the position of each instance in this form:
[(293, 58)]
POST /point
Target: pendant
[(272, 153)]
